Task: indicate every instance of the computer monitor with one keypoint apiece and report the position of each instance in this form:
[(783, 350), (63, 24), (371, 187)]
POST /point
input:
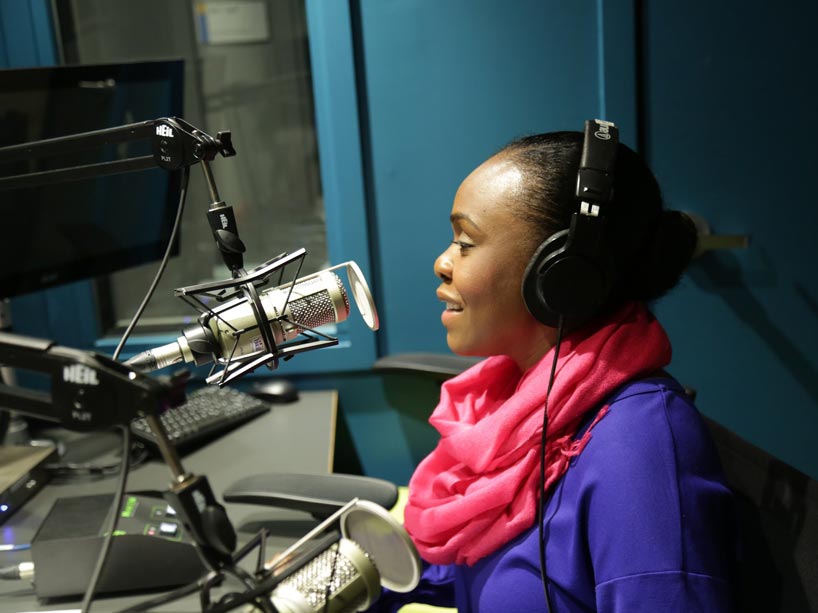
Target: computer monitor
[(55, 234)]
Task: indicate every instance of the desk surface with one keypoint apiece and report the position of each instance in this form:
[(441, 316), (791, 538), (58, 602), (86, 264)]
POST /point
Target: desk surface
[(297, 437)]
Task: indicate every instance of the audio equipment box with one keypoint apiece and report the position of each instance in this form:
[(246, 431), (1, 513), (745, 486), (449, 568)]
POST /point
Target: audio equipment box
[(149, 550)]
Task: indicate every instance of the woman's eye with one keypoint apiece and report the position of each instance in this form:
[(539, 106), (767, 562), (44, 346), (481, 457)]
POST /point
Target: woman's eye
[(463, 245)]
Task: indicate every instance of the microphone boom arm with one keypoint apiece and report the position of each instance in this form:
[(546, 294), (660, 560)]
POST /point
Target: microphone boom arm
[(89, 392), (175, 144)]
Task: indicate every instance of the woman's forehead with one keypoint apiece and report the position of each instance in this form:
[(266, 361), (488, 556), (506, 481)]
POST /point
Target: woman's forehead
[(498, 174), (488, 194)]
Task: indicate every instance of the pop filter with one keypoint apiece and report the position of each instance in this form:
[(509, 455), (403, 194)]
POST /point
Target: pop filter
[(386, 542)]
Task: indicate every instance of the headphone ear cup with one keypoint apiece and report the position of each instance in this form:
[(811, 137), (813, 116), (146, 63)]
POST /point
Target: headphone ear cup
[(562, 281), (533, 297)]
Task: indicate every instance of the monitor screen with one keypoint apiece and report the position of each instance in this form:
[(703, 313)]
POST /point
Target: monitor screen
[(80, 229)]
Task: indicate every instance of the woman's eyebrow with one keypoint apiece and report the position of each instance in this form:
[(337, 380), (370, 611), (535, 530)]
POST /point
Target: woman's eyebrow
[(462, 217)]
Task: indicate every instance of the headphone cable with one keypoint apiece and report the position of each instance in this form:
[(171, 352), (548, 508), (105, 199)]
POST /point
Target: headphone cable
[(541, 488)]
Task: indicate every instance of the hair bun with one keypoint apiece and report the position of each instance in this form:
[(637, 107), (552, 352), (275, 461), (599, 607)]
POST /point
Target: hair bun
[(666, 255)]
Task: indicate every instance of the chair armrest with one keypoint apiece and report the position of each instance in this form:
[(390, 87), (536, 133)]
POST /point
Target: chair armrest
[(439, 365), (319, 495)]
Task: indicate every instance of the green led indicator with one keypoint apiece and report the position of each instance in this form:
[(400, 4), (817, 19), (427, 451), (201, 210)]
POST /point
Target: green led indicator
[(129, 508)]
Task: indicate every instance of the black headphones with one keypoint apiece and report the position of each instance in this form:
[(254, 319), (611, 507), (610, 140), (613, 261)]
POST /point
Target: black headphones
[(571, 273)]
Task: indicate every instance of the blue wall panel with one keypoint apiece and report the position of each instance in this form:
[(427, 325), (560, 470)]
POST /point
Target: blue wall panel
[(729, 109), (445, 84), (336, 117), (26, 36)]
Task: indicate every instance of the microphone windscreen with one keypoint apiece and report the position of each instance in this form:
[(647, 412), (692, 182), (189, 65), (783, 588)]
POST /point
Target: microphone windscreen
[(362, 296), (386, 542)]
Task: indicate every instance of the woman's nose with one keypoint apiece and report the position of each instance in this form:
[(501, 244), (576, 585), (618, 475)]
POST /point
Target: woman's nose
[(443, 266)]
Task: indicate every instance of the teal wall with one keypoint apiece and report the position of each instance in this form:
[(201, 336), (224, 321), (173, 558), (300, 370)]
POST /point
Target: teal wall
[(444, 86), (728, 127), (26, 35)]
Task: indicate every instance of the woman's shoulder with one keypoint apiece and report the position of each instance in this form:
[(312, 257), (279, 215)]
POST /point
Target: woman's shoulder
[(656, 383), (655, 402), (651, 425), (648, 489)]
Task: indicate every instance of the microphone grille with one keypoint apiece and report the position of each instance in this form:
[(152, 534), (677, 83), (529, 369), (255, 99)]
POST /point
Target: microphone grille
[(344, 572), (316, 307)]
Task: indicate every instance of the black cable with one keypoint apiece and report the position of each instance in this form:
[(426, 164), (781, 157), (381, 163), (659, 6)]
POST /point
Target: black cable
[(5, 415), (540, 490), (113, 514), (162, 265), (5, 422), (138, 451)]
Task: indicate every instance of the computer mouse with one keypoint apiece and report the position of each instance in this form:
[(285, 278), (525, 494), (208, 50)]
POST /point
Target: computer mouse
[(277, 390)]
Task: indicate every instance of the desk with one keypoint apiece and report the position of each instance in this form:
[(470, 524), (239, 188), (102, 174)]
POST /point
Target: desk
[(296, 437)]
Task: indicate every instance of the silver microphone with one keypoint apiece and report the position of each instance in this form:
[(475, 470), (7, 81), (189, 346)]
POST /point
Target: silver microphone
[(374, 550), (343, 572), (231, 330)]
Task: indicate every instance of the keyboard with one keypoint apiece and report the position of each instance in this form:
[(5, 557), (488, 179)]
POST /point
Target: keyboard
[(208, 413)]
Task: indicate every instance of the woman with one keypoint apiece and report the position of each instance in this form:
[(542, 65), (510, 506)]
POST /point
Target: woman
[(635, 515)]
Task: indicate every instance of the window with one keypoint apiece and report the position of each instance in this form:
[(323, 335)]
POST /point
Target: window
[(247, 71), (255, 77)]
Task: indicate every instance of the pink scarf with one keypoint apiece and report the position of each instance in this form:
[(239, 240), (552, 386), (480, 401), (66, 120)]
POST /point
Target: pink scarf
[(478, 489)]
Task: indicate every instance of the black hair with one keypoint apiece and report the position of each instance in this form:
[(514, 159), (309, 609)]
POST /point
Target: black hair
[(651, 245)]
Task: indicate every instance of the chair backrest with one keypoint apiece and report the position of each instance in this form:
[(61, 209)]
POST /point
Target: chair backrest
[(777, 509)]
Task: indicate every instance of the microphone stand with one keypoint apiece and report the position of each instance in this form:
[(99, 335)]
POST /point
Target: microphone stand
[(90, 392), (222, 222), (85, 386), (206, 521)]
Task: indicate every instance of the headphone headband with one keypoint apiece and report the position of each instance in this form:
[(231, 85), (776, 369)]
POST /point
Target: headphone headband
[(596, 167)]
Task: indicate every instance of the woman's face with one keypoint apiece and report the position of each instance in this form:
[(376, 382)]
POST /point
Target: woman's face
[(482, 270)]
